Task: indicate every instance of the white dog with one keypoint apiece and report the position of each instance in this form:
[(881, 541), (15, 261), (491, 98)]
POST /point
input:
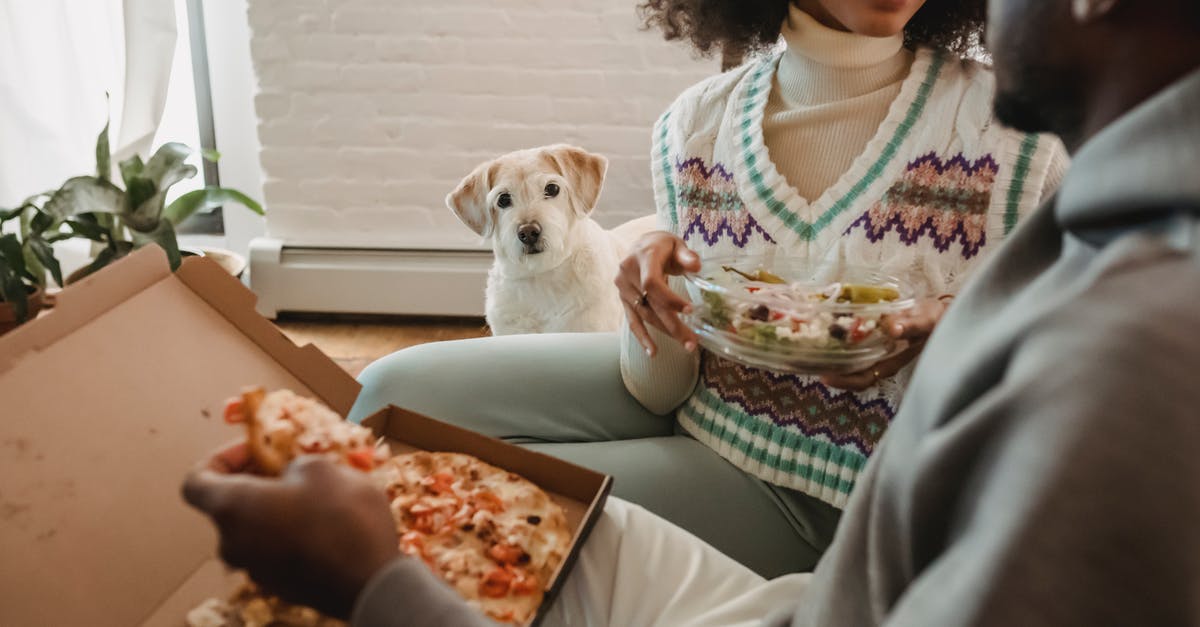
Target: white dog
[(554, 265)]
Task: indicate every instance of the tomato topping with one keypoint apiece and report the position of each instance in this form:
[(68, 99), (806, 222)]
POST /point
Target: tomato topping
[(525, 584), (362, 458), (856, 332), (496, 584), (487, 500), (233, 411), (753, 289), (775, 315), (505, 553), (440, 483), (426, 522), (412, 543)]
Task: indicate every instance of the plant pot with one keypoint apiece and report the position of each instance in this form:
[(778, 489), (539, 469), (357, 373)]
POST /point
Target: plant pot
[(8, 317), (82, 273), (232, 262)]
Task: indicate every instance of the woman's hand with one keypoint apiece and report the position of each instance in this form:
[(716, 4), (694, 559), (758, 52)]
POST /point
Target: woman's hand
[(648, 299), (314, 536), (911, 327)]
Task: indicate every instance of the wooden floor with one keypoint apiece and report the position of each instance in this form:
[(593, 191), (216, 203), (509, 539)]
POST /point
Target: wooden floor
[(355, 342)]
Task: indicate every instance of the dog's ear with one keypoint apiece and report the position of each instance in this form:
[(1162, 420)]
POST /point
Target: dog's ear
[(584, 172), (468, 201)]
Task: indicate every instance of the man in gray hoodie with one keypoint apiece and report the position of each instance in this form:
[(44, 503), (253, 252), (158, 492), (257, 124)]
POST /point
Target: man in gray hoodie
[(1043, 468)]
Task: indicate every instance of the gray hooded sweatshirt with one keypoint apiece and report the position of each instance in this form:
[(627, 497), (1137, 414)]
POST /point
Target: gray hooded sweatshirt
[(1044, 469)]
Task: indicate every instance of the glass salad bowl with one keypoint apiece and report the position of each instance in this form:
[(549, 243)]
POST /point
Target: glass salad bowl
[(791, 315)]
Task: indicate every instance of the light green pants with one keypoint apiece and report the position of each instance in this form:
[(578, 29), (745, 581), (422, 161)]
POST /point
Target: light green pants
[(562, 395)]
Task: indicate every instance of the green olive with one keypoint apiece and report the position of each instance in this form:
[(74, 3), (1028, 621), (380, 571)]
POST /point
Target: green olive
[(867, 294)]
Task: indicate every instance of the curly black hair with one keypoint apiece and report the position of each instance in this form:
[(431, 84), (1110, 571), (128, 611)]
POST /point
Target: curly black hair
[(742, 27)]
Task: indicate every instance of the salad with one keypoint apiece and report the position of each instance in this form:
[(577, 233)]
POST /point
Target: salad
[(823, 322)]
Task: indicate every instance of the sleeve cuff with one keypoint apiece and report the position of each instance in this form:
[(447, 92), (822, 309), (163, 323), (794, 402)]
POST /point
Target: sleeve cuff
[(404, 593)]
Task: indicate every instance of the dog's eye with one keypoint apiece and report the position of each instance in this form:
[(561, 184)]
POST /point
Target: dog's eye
[(551, 190), (504, 201)]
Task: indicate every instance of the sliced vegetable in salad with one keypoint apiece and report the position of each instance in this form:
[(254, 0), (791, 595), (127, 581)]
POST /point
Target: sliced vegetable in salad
[(778, 313)]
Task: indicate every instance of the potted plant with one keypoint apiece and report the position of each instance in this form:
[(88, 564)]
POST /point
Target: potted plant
[(118, 220), (25, 257)]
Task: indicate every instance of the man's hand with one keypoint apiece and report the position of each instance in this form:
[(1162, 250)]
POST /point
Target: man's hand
[(314, 536)]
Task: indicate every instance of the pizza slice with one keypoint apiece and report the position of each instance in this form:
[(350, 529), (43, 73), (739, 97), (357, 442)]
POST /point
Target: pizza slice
[(282, 426), (251, 607), (492, 535)]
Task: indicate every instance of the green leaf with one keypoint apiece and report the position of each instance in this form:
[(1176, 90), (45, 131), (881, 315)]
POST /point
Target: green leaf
[(35, 270), (9, 214), (130, 168), (45, 254), (106, 256), (10, 249), (145, 201), (168, 165), (13, 290), (138, 191), (41, 222), (164, 236), (103, 154), (207, 198), (209, 154), (84, 194), (87, 229)]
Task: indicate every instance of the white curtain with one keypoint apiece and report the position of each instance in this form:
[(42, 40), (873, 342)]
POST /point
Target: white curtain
[(58, 58)]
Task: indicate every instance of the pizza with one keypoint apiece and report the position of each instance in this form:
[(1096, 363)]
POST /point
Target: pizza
[(282, 426), (492, 535), (251, 607)]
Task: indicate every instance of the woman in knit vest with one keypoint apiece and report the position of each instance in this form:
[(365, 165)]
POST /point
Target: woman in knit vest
[(868, 140)]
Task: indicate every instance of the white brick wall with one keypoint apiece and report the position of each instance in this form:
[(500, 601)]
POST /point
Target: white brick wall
[(372, 110)]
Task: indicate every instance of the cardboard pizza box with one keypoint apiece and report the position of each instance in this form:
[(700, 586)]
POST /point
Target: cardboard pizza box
[(113, 396)]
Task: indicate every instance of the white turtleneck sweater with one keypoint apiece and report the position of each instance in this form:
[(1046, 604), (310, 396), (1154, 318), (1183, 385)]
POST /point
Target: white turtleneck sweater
[(830, 94)]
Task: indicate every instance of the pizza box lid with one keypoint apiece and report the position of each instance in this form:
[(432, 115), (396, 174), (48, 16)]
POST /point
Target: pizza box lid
[(114, 395)]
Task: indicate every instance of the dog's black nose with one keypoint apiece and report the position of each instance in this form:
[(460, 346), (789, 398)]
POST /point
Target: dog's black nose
[(529, 233)]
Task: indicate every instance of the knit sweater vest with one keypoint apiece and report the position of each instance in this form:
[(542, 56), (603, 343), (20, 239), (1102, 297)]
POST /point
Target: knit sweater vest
[(938, 186)]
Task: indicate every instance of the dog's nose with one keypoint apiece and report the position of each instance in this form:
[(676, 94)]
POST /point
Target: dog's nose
[(529, 233)]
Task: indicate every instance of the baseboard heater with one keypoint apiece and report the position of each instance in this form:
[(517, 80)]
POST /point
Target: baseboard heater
[(367, 280)]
